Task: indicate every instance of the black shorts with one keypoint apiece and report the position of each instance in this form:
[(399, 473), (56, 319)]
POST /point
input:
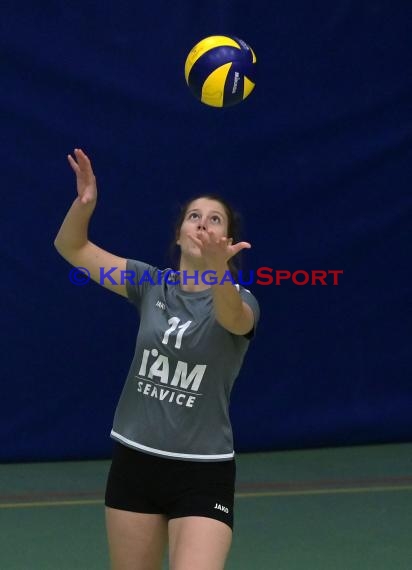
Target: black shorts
[(145, 483)]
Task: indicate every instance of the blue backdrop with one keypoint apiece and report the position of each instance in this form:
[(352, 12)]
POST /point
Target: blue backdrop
[(318, 159)]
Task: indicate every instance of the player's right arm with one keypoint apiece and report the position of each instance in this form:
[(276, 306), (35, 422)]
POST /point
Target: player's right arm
[(72, 239)]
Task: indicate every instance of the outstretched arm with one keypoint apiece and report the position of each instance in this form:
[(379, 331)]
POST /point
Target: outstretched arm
[(72, 239)]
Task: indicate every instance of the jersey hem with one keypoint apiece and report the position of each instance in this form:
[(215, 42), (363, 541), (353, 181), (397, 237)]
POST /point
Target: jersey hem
[(163, 453)]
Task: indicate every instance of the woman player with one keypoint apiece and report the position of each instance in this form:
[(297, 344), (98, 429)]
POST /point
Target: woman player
[(172, 476)]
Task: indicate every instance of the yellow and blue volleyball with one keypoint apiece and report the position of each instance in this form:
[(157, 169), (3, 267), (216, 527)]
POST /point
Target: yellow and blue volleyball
[(220, 70)]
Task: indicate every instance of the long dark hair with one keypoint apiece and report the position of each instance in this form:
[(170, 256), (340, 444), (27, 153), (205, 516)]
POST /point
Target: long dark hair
[(233, 230)]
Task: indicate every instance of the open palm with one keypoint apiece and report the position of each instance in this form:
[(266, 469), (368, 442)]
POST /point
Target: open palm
[(86, 180)]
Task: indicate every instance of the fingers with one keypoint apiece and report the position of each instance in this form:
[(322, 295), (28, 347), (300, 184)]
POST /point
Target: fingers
[(73, 164), (239, 246), (206, 241), (86, 180), (82, 163), (82, 158), (225, 242), (195, 240)]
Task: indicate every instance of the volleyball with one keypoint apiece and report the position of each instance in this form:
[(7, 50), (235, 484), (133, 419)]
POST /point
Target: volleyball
[(220, 70)]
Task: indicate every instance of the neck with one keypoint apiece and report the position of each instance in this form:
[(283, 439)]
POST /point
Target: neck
[(191, 273)]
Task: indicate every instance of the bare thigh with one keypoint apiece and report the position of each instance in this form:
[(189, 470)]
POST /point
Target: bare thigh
[(137, 541), (198, 542)]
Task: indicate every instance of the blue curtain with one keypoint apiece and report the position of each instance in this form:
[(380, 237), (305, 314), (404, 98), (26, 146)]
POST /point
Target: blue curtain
[(318, 160)]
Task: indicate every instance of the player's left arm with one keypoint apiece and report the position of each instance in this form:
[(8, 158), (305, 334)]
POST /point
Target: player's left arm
[(231, 312)]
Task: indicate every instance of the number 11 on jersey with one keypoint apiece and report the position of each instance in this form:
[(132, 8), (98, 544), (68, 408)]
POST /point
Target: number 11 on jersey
[(174, 322)]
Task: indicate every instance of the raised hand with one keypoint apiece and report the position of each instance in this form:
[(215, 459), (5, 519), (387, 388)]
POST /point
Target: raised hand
[(216, 251), (86, 180)]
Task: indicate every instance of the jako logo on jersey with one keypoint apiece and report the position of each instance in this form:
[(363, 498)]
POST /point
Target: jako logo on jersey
[(161, 305), (221, 508)]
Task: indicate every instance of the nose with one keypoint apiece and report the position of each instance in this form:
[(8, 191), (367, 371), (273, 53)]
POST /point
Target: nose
[(201, 226)]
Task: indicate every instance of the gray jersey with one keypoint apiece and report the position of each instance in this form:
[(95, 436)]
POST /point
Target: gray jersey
[(176, 397)]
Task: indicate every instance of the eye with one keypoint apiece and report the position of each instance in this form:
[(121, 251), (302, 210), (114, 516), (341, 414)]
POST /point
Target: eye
[(193, 216), (216, 219)]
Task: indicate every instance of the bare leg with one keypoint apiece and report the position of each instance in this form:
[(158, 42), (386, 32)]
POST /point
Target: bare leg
[(198, 543), (137, 541)]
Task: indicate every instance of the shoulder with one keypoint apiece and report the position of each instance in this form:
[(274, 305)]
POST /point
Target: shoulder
[(140, 277), (247, 296), (250, 300)]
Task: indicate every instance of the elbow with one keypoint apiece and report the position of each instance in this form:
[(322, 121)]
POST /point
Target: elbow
[(61, 247), (241, 326), (57, 244)]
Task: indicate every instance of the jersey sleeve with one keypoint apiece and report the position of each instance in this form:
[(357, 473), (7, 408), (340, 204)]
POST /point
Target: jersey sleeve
[(139, 277), (250, 300)]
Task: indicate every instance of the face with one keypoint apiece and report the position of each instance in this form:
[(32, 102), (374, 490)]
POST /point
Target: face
[(202, 215)]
